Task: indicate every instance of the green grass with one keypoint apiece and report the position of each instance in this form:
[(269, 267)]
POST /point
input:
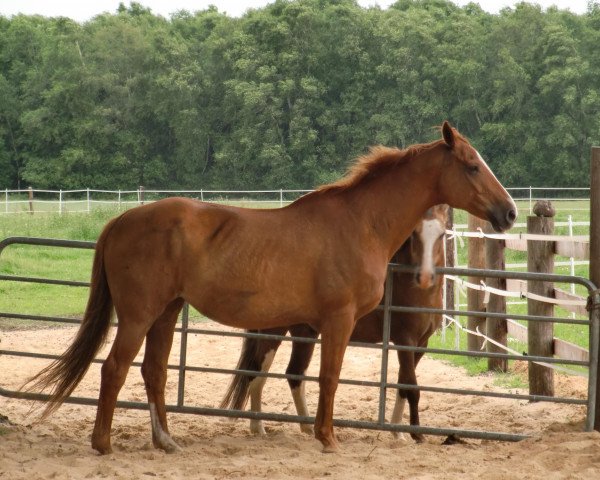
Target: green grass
[(47, 262)]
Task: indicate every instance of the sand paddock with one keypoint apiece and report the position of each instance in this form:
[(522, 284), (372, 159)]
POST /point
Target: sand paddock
[(59, 448)]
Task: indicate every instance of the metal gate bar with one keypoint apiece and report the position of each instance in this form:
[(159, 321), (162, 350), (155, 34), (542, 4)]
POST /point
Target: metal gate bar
[(383, 384)]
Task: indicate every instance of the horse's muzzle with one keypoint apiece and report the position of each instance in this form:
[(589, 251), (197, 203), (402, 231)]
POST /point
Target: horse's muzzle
[(503, 218), (425, 279)]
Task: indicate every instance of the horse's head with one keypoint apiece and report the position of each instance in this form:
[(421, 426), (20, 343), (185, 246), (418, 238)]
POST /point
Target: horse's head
[(427, 245), (468, 183)]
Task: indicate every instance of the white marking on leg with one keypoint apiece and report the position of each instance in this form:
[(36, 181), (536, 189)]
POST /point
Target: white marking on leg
[(256, 388), (299, 396), (397, 415), (162, 438)]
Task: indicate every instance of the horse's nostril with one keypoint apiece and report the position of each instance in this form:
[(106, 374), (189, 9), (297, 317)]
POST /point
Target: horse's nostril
[(511, 215)]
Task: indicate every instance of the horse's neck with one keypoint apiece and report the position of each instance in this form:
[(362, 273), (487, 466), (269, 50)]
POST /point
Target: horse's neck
[(392, 204)]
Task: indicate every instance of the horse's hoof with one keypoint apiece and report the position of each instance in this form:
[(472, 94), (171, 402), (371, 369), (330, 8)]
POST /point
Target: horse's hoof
[(330, 446), (174, 448), (167, 444), (331, 449), (257, 428), (306, 428), (102, 450), (418, 437), (453, 439), (399, 436)]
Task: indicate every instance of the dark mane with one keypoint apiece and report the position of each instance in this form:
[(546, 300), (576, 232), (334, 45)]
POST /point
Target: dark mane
[(378, 160)]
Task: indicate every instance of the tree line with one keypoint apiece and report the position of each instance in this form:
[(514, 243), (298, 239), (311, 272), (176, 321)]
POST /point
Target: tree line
[(285, 96)]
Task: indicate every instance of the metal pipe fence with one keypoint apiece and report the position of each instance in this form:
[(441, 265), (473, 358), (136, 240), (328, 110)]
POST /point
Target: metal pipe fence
[(184, 330)]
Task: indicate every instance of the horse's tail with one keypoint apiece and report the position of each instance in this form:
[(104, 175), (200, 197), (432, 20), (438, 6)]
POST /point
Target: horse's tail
[(237, 393), (65, 373)]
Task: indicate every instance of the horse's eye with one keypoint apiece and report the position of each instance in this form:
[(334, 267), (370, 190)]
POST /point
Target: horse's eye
[(473, 169)]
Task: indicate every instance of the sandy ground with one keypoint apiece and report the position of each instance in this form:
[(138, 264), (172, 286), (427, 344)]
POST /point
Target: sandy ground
[(59, 448)]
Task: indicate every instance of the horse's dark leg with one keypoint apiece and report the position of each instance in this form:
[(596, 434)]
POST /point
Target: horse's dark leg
[(154, 370), (335, 335), (407, 376), (300, 358), (264, 353), (400, 403), (413, 402), (130, 335)]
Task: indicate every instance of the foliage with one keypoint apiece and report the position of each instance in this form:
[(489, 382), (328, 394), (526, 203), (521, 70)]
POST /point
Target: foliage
[(286, 95)]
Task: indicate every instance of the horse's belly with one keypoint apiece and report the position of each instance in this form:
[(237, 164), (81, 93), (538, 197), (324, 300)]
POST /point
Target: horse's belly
[(251, 310)]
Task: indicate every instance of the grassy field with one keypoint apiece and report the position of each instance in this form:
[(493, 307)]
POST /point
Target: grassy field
[(75, 264)]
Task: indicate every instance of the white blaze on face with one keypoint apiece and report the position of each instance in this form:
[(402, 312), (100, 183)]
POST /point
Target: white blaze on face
[(488, 169), (484, 163), (430, 232)]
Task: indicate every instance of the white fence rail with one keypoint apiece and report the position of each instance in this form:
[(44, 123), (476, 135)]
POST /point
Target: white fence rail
[(85, 200)]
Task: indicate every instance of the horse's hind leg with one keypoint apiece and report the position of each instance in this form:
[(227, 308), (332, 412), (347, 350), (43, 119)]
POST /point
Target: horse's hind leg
[(129, 338), (400, 403), (300, 358), (264, 354), (408, 376), (154, 371)]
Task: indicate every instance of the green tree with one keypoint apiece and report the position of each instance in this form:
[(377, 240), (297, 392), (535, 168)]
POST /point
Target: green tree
[(286, 95)]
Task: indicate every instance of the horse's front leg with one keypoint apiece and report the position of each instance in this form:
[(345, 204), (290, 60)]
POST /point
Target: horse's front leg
[(335, 335)]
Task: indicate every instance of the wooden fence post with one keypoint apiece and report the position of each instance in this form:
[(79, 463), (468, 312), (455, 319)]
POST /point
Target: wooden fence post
[(30, 200), (496, 328), (476, 259), (141, 195), (540, 258), (595, 248)]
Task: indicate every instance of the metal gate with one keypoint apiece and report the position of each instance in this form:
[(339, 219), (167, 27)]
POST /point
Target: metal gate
[(184, 330)]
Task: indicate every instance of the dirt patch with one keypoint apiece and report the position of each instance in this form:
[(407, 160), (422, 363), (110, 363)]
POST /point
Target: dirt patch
[(59, 448)]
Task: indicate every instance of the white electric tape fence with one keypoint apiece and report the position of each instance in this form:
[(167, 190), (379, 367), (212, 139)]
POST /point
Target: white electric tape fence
[(521, 294)]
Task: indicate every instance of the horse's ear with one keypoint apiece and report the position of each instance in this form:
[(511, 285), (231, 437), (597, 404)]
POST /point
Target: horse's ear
[(448, 134)]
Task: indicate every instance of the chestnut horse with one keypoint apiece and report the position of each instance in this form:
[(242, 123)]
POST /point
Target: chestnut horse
[(322, 260), (425, 249)]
